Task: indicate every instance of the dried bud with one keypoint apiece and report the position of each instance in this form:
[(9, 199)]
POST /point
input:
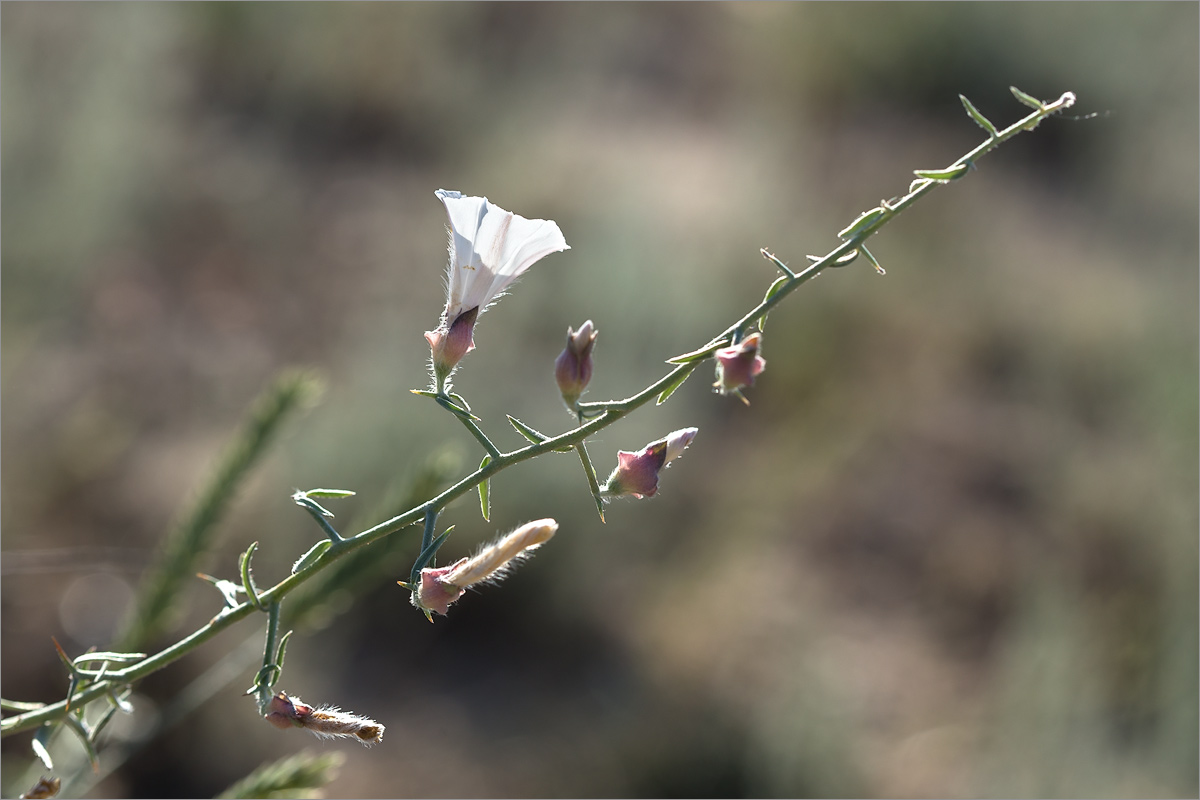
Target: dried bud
[(738, 365), (441, 586), (327, 721), (573, 369), (44, 788), (637, 473)]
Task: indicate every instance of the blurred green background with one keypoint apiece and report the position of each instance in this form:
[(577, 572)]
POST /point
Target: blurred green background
[(951, 548)]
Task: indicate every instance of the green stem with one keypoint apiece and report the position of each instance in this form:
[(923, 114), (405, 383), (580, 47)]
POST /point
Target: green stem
[(612, 411)]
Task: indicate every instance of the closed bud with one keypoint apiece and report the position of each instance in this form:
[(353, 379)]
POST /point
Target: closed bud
[(573, 369), (738, 365), (449, 343), (637, 473)]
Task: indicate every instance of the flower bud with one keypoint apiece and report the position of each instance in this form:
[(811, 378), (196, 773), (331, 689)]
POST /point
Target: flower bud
[(637, 473), (441, 586), (573, 369), (738, 365), (327, 721), (449, 343)]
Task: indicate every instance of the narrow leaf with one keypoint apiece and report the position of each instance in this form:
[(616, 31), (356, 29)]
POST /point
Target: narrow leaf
[(311, 506), (80, 730), (62, 656), (309, 558), (673, 385), (703, 352), (846, 259), (772, 290), (874, 262), (19, 706), (526, 431), (39, 745), (248, 576), (782, 266), (943, 175), (485, 500), (448, 404), (282, 651), (94, 733), (864, 221), (120, 658), (329, 493), (121, 701), (979, 118), (1028, 100)]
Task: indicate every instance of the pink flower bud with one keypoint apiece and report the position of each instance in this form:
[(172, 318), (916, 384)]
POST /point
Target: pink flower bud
[(448, 344), (326, 721), (738, 365), (441, 586), (573, 369), (637, 473)]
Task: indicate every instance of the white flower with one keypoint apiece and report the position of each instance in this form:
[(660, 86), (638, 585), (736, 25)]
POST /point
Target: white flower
[(489, 249)]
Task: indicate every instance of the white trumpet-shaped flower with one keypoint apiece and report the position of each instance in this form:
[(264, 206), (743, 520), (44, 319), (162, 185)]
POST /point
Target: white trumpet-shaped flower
[(489, 249)]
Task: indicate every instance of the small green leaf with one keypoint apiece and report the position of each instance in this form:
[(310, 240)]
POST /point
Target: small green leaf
[(121, 701), (448, 404), (311, 506), (248, 576), (120, 658), (874, 262), (282, 651), (39, 745), (864, 221), (329, 493), (85, 738), (1028, 100), (846, 259), (62, 656), (979, 118), (104, 720), (772, 290), (485, 500), (703, 352), (526, 431), (673, 385), (943, 175), (782, 266), (458, 398), (312, 556)]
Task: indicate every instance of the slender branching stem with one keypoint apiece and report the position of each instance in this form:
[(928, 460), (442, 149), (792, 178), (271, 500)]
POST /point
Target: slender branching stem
[(606, 413)]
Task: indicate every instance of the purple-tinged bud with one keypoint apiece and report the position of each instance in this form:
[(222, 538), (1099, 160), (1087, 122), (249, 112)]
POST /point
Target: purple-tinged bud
[(573, 369), (441, 586), (326, 721), (448, 344), (637, 473), (738, 365)]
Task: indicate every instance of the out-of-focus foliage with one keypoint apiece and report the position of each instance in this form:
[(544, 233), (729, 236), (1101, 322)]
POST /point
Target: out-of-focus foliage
[(949, 550)]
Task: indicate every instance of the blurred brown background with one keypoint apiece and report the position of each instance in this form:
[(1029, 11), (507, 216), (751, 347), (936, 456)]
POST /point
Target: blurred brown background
[(951, 549)]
